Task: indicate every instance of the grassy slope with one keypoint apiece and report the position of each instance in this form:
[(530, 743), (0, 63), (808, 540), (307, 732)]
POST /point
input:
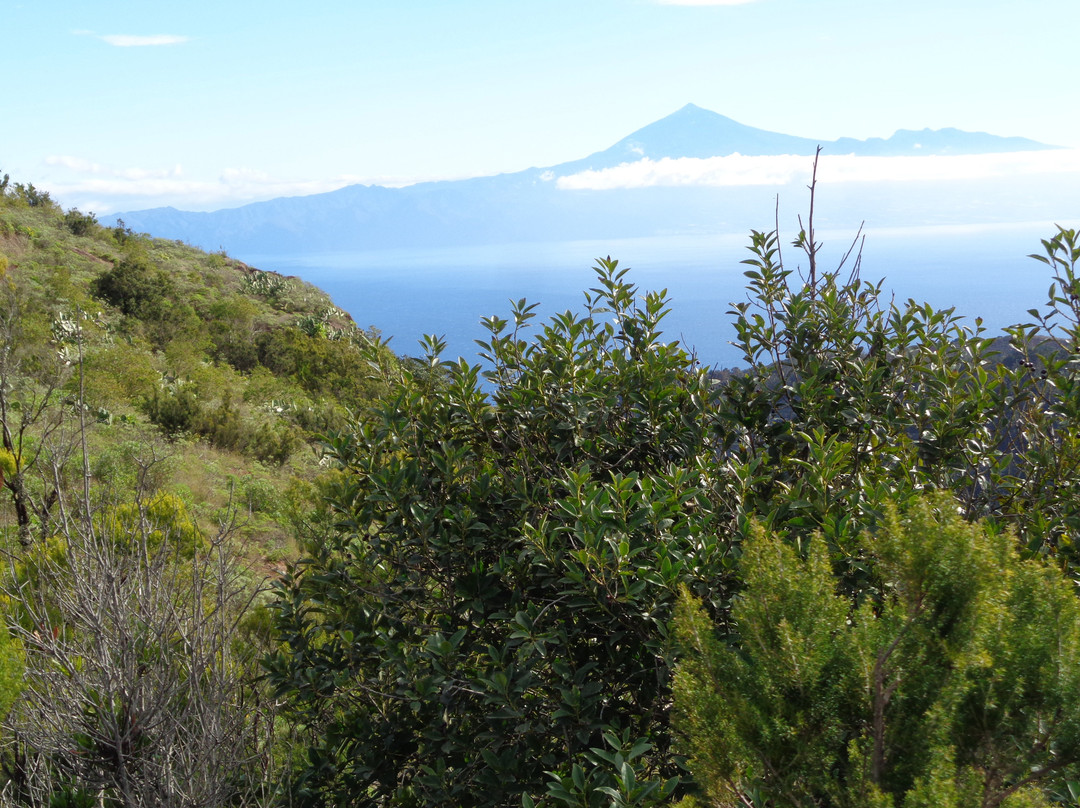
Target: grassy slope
[(254, 366)]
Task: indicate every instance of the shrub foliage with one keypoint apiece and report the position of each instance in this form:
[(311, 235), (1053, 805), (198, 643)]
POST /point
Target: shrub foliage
[(491, 621), (511, 565), (959, 686), (840, 568)]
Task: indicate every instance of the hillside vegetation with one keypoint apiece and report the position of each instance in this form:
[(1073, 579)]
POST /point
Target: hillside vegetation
[(584, 573), (223, 374)]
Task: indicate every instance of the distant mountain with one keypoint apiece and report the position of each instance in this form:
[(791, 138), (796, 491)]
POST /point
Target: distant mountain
[(529, 205), (691, 132), (696, 132), (935, 141)]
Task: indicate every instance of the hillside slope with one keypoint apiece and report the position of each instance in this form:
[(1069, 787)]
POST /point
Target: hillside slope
[(212, 376)]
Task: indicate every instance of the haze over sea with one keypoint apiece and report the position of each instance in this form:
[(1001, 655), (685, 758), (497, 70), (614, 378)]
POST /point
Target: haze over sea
[(981, 270)]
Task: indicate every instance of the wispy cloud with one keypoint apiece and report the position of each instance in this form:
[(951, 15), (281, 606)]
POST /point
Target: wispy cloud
[(738, 169), (705, 2), (134, 41), (105, 189), (82, 166), (74, 163)]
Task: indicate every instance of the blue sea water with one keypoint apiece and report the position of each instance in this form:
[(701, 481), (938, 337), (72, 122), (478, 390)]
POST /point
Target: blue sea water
[(982, 271)]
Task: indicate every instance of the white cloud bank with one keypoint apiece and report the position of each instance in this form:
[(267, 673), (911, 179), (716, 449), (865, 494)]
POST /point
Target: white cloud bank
[(131, 41), (738, 169), (105, 189)]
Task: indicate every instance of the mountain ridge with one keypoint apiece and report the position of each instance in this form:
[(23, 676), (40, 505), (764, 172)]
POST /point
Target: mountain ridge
[(693, 131), (529, 205)]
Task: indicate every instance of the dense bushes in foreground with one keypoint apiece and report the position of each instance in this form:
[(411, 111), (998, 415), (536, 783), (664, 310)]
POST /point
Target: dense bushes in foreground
[(958, 686), (581, 574), (491, 622)]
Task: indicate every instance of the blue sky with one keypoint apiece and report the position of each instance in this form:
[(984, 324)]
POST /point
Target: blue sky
[(200, 105)]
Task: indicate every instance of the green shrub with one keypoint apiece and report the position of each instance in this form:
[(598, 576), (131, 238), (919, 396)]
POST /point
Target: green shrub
[(31, 196), (118, 374), (958, 686), (160, 518), (322, 367), (80, 224), (223, 426), (495, 605), (274, 443), (175, 411), (497, 600), (135, 287), (849, 403), (231, 326)]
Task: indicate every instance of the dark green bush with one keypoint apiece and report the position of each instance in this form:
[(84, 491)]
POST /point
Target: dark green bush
[(224, 426), (274, 443), (492, 622), (492, 619), (175, 411), (848, 404), (80, 224), (179, 411), (31, 196), (232, 330), (135, 287), (322, 367)]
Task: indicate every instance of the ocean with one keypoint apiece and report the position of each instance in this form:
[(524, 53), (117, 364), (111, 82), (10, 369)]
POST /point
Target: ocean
[(982, 271)]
